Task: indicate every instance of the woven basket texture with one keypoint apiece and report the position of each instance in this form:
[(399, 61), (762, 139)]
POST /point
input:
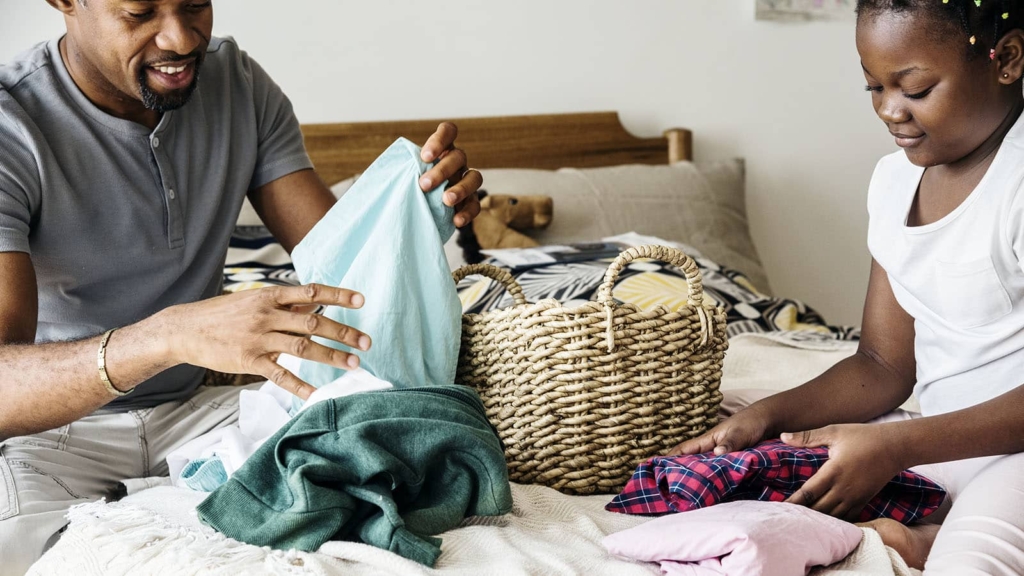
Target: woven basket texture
[(581, 395)]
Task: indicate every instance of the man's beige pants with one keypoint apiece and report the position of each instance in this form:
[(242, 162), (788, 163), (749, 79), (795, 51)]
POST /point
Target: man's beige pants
[(43, 475)]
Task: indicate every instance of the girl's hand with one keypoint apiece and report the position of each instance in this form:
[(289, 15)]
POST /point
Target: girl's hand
[(862, 460), (740, 431)]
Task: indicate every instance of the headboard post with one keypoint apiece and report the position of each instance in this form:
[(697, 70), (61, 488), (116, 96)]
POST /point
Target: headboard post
[(680, 145)]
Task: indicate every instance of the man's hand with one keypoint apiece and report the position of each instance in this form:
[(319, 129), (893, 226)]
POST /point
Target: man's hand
[(246, 332), (462, 184), (861, 461)]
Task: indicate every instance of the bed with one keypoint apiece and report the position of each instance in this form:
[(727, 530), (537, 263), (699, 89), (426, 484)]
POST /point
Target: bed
[(616, 183)]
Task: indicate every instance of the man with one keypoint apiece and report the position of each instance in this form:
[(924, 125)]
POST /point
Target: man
[(121, 176)]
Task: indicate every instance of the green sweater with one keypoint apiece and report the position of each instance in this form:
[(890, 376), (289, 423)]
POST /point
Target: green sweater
[(388, 468)]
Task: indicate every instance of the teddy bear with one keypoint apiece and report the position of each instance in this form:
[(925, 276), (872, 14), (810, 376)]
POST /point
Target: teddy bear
[(500, 220)]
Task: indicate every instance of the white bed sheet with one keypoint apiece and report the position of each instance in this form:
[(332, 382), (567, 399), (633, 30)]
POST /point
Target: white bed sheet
[(155, 531)]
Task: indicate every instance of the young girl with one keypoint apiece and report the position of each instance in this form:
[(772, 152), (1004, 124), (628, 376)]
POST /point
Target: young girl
[(944, 315)]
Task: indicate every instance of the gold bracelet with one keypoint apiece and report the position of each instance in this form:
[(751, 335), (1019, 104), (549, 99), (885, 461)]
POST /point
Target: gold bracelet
[(101, 362)]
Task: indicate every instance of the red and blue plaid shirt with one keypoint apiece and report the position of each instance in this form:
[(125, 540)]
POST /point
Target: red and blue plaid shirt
[(771, 471)]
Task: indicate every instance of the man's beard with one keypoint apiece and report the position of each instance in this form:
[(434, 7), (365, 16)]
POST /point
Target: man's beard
[(165, 103)]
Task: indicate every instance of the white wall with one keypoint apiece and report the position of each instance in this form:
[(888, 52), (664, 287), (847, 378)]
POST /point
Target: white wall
[(787, 97)]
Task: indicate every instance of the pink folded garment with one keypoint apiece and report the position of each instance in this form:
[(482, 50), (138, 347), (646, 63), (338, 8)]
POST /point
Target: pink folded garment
[(746, 538)]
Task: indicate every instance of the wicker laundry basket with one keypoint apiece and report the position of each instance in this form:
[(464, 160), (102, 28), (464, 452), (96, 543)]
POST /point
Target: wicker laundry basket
[(581, 395)]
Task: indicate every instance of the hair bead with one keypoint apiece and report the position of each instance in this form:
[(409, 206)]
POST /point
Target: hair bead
[(975, 22)]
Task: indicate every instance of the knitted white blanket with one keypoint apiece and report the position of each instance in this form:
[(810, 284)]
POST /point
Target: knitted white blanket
[(156, 532)]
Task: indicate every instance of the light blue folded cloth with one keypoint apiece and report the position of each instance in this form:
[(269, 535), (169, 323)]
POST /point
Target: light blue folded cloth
[(204, 474), (385, 239)]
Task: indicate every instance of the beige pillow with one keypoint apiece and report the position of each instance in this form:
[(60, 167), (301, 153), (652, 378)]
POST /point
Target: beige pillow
[(703, 206)]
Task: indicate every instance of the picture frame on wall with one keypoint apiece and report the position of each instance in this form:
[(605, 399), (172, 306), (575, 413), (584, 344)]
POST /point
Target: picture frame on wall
[(805, 10)]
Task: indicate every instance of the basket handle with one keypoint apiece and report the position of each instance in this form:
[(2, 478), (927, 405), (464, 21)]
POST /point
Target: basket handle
[(694, 281), (494, 273), (671, 255)]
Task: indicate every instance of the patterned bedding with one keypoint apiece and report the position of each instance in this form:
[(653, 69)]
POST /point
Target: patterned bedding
[(255, 260)]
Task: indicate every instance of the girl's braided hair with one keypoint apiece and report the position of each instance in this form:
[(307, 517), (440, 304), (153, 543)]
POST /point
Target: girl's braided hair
[(981, 23)]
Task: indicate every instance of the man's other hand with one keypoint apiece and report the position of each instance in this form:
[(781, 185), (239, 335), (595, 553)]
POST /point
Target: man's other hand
[(452, 166)]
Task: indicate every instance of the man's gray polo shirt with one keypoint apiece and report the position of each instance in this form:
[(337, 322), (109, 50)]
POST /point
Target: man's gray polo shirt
[(120, 221)]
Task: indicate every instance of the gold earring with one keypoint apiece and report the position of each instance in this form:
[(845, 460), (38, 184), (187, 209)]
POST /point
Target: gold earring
[(1006, 74)]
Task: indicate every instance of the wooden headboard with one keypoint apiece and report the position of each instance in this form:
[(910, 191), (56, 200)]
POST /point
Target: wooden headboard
[(548, 141)]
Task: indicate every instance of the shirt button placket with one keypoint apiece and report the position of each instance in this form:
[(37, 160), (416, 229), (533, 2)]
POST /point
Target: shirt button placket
[(174, 230)]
